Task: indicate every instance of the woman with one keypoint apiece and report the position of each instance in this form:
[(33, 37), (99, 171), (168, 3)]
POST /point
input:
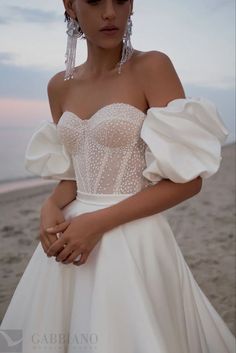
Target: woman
[(126, 144)]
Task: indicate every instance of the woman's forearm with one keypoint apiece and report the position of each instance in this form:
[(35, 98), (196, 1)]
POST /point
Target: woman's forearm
[(148, 201), (64, 193)]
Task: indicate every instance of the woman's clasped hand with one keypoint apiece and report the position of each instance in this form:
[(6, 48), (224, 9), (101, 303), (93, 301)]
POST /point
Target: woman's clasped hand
[(78, 237), (68, 239)]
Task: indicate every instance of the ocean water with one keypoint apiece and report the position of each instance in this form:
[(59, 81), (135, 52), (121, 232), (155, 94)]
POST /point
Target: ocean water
[(13, 175), (13, 142)]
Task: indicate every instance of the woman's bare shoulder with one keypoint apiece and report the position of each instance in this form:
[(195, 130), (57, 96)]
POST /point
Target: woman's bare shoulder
[(55, 89), (144, 55), (150, 65), (146, 60), (57, 80), (157, 75)]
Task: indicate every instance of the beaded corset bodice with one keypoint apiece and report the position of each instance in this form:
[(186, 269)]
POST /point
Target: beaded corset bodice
[(107, 151)]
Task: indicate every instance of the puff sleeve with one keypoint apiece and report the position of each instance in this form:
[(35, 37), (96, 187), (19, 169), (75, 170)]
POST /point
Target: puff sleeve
[(183, 140), (46, 156)]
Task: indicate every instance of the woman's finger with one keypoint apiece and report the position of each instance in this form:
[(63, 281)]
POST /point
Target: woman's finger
[(63, 255), (52, 237), (44, 245), (82, 259), (72, 256), (44, 240), (59, 227), (47, 240), (56, 246)]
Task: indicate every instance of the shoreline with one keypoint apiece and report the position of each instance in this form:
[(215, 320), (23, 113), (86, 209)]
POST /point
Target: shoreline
[(26, 193), (22, 184)]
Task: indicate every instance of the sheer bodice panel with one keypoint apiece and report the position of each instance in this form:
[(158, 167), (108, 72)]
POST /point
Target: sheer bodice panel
[(107, 151)]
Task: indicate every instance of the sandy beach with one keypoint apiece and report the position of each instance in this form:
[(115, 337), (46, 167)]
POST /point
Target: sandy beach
[(204, 227)]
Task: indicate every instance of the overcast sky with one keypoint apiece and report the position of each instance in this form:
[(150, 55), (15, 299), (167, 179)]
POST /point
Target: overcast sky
[(198, 36)]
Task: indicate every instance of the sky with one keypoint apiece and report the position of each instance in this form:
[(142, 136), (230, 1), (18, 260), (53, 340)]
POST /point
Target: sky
[(198, 36)]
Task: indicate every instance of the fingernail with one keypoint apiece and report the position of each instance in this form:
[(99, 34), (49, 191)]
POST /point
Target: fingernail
[(49, 229)]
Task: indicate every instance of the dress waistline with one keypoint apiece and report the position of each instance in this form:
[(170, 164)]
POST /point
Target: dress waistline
[(100, 199)]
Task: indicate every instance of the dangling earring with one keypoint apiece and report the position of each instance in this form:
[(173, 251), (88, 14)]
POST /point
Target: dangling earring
[(127, 49), (73, 32)]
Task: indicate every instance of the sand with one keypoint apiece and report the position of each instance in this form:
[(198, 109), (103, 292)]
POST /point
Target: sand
[(204, 227)]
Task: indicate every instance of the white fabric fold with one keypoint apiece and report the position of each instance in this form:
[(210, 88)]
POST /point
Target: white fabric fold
[(46, 156), (183, 140)]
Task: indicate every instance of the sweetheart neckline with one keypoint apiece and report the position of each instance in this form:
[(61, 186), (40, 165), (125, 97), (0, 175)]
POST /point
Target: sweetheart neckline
[(99, 110)]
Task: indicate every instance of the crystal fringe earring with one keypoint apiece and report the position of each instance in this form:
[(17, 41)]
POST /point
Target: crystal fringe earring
[(127, 49), (73, 33)]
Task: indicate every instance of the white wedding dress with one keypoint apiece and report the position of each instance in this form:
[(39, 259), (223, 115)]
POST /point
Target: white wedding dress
[(135, 293)]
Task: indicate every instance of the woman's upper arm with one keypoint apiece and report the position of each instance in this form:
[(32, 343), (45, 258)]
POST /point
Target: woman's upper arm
[(160, 80), (54, 91)]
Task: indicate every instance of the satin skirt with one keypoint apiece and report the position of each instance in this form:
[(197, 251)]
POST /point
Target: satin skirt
[(134, 294)]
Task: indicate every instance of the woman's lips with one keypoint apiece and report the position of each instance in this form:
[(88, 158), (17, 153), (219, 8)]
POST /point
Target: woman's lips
[(110, 31)]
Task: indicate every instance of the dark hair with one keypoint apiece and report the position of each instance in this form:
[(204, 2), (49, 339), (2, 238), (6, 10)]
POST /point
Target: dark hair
[(67, 17)]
